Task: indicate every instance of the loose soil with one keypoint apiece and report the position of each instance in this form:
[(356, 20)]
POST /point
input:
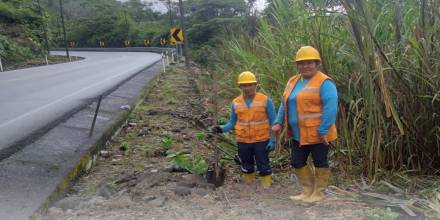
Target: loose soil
[(133, 179)]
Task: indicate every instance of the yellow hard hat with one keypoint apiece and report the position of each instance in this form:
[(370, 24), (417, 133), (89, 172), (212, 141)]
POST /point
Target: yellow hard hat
[(246, 77), (307, 53)]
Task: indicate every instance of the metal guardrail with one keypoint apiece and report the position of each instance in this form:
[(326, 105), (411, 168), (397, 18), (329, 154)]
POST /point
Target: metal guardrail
[(167, 52), (122, 49)]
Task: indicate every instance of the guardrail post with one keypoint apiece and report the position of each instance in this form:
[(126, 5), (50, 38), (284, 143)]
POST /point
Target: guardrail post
[(163, 62), (47, 61), (1, 65), (96, 115)]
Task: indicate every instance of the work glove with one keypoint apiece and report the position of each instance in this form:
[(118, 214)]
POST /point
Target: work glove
[(271, 145), (216, 130)]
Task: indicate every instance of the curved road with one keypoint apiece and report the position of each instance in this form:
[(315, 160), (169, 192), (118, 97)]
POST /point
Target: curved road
[(34, 97)]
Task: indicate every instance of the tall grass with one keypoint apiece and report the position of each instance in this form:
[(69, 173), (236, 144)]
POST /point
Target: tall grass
[(384, 56)]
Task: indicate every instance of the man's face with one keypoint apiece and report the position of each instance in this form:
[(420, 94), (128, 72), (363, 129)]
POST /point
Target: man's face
[(249, 89), (307, 68)]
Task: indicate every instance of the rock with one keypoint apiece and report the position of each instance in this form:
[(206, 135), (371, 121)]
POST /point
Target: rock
[(121, 202), (148, 198), (132, 124), (176, 130), (182, 191), (158, 202), (55, 213), (186, 151), (68, 203), (186, 137), (193, 180), (93, 201), (172, 168), (152, 112), (106, 191), (170, 151), (104, 153), (125, 107), (154, 170), (201, 191)]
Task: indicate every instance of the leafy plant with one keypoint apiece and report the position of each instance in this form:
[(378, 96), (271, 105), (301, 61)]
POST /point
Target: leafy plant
[(166, 142), (201, 135), (222, 121), (195, 165), (124, 146), (146, 148)]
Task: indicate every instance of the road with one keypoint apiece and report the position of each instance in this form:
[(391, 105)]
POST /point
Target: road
[(32, 98)]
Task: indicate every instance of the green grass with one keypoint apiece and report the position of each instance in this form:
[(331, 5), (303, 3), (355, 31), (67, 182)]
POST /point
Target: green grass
[(382, 214)]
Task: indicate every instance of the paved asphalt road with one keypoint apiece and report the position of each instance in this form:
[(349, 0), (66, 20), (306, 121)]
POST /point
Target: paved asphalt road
[(32, 98)]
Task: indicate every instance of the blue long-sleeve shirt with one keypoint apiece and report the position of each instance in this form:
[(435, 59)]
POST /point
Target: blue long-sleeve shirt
[(271, 113), (329, 99)]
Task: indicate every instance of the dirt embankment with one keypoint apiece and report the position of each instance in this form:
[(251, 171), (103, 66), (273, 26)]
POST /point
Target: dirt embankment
[(133, 178)]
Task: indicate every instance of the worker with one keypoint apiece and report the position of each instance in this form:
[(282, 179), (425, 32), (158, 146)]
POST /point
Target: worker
[(252, 115), (308, 109)]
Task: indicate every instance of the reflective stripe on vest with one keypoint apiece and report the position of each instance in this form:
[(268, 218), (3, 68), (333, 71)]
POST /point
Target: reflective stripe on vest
[(307, 116), (309, 109), (252, 122)]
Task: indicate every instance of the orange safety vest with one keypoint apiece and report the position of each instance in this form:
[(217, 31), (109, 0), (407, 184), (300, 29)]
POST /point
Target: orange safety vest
[(309, 108), (252, 122)]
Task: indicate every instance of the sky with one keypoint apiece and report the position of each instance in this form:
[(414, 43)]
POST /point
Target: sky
[(158, 6)]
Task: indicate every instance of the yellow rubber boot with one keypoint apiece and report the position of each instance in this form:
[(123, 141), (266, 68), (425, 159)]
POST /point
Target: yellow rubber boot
[(249, 178), (266, 181), (305, 177), (321, 181)]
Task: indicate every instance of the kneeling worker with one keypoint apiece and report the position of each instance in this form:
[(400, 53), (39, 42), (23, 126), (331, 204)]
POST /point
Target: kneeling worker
[(252, 115)]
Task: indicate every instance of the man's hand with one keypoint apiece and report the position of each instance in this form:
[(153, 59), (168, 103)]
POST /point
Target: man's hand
[(324, 140), (271, 145), (216, 130), (276, 128)]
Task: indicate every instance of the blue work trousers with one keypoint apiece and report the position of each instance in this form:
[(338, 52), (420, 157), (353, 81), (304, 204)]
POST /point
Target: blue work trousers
[(299, 154), (254, 153)]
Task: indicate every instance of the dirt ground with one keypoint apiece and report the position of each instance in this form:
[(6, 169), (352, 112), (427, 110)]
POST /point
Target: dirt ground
[(133, 179)]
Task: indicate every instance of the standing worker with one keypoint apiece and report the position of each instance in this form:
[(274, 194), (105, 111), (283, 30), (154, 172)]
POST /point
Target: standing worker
[(252, 115), (309, 109)]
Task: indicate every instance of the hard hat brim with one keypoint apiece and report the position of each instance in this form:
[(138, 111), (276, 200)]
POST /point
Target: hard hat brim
[(247, 82), (307, 58)]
